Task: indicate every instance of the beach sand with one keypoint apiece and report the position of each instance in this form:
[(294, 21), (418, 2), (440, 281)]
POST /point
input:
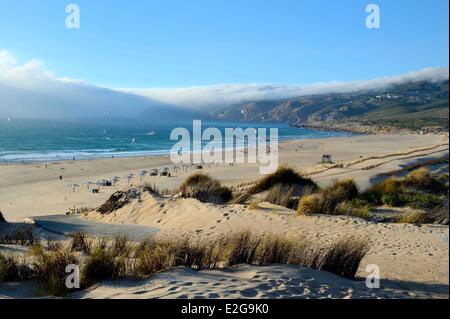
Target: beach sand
[(413, 260), (35, 189)]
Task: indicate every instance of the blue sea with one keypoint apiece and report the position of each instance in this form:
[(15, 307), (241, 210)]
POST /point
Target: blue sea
[(51, 140)]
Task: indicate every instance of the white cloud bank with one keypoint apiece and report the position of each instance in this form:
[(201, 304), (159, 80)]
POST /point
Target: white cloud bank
[(30, 90), (222, 95)]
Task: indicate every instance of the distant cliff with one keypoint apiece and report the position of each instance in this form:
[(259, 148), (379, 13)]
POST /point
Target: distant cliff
[(412, 106)]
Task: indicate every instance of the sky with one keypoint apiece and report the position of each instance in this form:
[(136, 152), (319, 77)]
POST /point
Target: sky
[(135, 44), (202, 53)]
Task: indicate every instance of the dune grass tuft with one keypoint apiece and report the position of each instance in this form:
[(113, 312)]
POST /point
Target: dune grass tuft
[(80, 243), (102, 264), (50, 268), (9, 268), (310, 205), (22, 235), (284, 176), (344, 257), (206, 189), (249, 248)]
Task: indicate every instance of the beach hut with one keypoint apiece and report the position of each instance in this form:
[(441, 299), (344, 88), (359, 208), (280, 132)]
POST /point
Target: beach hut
[(88, 184), (165, 171), (326, 159), (73, 187), (115, 179), (154, 172)]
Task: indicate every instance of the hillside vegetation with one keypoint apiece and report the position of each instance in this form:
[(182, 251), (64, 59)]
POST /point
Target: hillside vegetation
[(412, 106)]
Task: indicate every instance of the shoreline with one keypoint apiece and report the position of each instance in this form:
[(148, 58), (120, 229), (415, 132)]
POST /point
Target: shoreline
[(156, 153)]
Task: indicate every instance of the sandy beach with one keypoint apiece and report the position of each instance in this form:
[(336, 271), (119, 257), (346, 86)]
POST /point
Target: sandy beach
[(35, 189), (413, 259)]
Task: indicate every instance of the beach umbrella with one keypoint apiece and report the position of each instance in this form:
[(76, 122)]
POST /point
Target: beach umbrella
[(130, 177), (73, 187), (142, 174), (88, 184)]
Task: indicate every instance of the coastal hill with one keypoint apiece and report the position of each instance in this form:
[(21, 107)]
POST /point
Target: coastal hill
[(412, 106)]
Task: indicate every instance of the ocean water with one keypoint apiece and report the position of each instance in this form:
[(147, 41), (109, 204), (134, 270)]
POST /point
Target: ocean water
[(52, 140)]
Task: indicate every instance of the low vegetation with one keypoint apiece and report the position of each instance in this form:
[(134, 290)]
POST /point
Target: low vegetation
[(49, 268), (102, 264), (333, 200), (420, 189), (117, 258), (283, 176), (21, 235), (9, 268), (79, 243), (206, 189)]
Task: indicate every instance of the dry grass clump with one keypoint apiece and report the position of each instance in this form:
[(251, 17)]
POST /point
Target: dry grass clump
[(391, 185), (420, 177), (121, 246), (50, 268), (287, 195), (254, 205), (80, 243), (424, 180), (355, 208), (310, 205), (336, 193), (116, 260), (22, 235), (205, 189), (284, 176), (248, 248), (329, 200), (437, 216), (102, 264), (9, 268), (343, 257)]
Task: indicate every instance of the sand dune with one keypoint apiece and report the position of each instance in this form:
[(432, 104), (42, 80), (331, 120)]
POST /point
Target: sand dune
[(35, 189), (413, 260)]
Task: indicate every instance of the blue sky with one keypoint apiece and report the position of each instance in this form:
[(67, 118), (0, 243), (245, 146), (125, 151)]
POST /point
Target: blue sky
[(137, 44)]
